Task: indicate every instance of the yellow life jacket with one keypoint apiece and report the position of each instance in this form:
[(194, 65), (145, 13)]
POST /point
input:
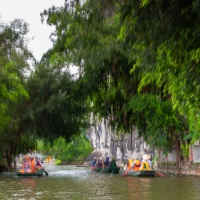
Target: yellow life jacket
[(129, 164), (145, 166)]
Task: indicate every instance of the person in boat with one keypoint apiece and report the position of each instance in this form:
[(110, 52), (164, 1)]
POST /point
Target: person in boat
[(106, 162), (113, 163), (130, 164), (32, 164), (99, 163), (38, 165), (146, 162), (26, 166), (136, 165), (93, 164)]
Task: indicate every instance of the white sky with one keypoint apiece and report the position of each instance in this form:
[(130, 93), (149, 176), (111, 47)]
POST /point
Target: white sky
[(29, 11)]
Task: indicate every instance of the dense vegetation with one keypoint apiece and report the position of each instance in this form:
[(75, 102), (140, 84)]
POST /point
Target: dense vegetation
[(138, 64), (64, 152)]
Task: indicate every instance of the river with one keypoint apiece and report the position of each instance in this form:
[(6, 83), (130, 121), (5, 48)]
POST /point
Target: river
[(71, 183)]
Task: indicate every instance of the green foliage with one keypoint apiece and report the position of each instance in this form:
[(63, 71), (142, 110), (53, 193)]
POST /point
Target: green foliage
[(76, 150), (58, 162), (14, 57), (139, 63), (184, 150), (56, 106)]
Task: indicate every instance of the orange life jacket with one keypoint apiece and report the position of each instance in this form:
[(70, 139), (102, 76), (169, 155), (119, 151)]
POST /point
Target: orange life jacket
[(137, 165), (33, 168)]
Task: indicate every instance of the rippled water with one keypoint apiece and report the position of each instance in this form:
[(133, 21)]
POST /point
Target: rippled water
[(70, 182)]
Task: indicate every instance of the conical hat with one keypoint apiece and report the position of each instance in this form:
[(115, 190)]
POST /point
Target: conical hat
[(146, 157)]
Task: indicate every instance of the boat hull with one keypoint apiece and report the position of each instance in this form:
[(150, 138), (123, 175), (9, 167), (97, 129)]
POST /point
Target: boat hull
[(110, 170), (33, 174), (106, 170), (143, 173)]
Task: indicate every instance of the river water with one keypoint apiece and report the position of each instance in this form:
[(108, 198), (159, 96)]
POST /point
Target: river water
[(71, 183)]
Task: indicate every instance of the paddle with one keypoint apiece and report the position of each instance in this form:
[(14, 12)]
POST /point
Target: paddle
[(46, 172), (112, 173), (159, 174), (125, 173)]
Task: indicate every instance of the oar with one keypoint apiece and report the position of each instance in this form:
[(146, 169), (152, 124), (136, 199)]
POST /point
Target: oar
[(161, 175), (112, 173), (46, 172), (125, 173)]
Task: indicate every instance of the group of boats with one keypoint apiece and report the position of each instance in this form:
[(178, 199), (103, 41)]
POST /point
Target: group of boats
[(137, 168), (143, 173), (134, 168)]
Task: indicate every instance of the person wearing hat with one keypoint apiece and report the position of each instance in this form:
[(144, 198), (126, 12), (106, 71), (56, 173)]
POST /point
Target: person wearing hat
[(146, 162)]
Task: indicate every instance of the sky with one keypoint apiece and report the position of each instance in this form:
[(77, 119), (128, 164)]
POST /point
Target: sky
[(29, 11)]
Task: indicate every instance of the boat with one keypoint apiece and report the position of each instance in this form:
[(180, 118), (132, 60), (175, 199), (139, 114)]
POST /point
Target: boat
[(110, 170), (32, 174), (143, 173)]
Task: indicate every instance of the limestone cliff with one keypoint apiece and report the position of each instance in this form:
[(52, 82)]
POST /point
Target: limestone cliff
[(121, 146)]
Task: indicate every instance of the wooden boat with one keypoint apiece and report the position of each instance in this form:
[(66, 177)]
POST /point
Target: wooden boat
[(32, 174), (144, 173)]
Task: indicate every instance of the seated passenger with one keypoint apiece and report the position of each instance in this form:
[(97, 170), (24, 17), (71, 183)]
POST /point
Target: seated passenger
[(26, 166), (137, 165), (37, 163), (93, 164), (113, 163), (106, 162), (32, 164), (146, 162), (99, 163), (129, 164)]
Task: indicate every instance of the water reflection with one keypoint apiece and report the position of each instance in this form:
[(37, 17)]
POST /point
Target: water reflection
[(69, 182)]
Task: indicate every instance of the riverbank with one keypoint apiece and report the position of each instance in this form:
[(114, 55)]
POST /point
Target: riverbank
[(183, 169)]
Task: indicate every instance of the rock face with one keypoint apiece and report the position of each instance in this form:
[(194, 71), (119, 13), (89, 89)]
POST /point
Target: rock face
[(122, 146)]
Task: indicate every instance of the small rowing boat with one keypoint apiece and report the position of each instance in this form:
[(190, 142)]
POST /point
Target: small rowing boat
[(31, 174), (144, 173)]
